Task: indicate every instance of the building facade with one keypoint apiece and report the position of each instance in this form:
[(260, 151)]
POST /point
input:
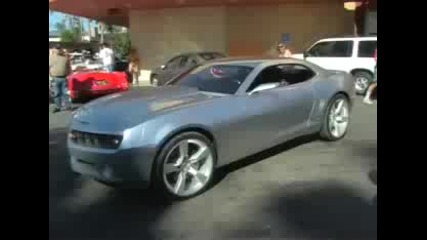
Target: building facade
[(163, 28)]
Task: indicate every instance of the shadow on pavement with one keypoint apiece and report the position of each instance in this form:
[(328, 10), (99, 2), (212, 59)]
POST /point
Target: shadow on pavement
[(314, 210), (329, 210), (60, 177), (83, 209), (222, 172), (373, 177), (369, 152)]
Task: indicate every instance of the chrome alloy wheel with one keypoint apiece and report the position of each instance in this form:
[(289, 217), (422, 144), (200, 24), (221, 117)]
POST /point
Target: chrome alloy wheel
[(188, 167), (339, 118), (361, 84)]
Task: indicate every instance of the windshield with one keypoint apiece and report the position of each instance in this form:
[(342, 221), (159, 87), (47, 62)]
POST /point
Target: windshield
[(224, 79)]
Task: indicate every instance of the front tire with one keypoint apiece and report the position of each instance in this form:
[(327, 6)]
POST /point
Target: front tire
[(336, 119), (185, 166)]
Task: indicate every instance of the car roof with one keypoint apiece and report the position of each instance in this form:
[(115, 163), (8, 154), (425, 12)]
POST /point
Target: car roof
[(255, 61), (347, 38), (198, 53)]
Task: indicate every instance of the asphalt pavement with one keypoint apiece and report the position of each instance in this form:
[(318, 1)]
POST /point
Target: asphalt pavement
[(305, 189)]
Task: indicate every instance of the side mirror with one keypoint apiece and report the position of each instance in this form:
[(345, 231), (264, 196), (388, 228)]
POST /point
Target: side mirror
[(305, 54), (264, 87), (163, 67)]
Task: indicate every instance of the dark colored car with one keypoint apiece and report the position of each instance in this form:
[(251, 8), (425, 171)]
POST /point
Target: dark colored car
[(180, 64)]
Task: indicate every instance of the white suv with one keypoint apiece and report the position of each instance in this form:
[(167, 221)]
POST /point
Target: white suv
[(354, 55)]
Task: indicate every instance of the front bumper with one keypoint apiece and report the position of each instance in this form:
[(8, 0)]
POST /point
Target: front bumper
[(115, 166)]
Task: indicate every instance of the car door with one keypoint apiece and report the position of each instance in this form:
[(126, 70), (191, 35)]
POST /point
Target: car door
[(298, 105), (254, 127), (261, 114), (297, 100), (332, 55)]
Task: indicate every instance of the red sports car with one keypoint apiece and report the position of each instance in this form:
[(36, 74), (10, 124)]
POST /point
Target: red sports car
[(91, 84)]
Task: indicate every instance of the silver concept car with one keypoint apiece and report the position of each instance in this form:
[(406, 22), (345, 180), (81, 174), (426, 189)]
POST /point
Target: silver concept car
[(174, 137)]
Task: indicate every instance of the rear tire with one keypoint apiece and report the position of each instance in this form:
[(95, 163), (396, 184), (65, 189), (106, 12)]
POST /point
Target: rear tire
[(363, 80), (336, 119)]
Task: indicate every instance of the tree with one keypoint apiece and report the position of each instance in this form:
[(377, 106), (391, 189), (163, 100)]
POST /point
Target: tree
[(71, 35), (69, 29), (121, 40), (122, 43)]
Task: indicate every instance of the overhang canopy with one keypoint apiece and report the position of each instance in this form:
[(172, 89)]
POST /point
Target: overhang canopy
[(117, 11)]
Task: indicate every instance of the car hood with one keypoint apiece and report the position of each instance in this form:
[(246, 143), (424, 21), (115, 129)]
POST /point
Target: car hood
[(124, 110)]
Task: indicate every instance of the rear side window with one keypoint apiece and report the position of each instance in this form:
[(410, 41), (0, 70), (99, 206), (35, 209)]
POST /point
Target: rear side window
[(367, 49), (332, 49), (218, 55), (211, 56)]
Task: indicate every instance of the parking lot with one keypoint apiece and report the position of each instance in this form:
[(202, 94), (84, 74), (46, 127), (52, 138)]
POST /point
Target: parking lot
[(305, 189)]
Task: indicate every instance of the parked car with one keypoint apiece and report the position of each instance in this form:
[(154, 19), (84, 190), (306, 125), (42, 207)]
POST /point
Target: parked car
[(179, 64), (86, 65), (354, 55), (175, 136), (90, 81), (92, 84), (90, 64)]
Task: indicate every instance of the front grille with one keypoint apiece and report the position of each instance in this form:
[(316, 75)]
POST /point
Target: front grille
[(95, 140)]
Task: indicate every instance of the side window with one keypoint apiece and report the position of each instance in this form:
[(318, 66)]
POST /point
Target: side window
[(321, 49), (367, 49), (332, 49), (174, 63), (211, 56), (286, 74), (295, 73), (342, 49), (207, 56), (218, 55), (184, 61), (192, 61)]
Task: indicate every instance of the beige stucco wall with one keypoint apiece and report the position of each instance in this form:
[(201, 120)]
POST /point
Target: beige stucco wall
[(258, 29), (252, 30), (160, 34)]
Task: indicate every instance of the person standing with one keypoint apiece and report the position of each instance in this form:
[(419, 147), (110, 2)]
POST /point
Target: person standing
[(284, 52), (134, 66), (59, 69), (373, 87), (107, 57)]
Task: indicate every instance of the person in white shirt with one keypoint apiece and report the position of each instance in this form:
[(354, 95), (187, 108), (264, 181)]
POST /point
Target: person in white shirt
[(107, 57)]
